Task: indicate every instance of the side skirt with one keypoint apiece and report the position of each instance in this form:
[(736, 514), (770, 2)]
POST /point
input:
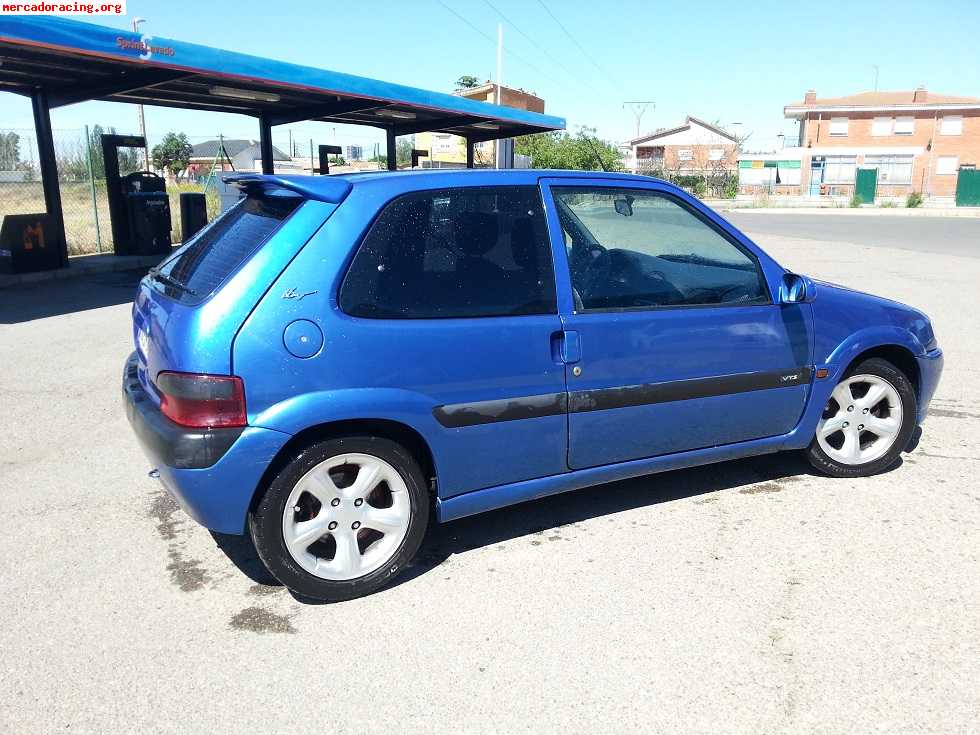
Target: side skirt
[(491, 498)]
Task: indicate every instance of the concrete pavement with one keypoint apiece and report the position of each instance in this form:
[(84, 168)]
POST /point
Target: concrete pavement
[(744, 597)]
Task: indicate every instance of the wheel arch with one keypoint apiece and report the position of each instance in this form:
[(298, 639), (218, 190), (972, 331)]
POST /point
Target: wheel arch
[(898, 355), (396, 431)]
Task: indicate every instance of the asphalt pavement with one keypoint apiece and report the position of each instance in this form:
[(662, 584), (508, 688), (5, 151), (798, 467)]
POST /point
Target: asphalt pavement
[(943, 235), (744, 597)]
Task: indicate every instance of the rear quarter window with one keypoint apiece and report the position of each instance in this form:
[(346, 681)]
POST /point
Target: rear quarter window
[(454, 253), (207, 259)]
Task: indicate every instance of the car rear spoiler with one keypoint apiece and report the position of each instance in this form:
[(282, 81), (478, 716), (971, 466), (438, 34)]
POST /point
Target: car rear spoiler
[(322, 188)]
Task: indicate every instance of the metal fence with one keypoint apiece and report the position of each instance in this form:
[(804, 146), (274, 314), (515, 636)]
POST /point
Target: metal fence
[(81, 172)]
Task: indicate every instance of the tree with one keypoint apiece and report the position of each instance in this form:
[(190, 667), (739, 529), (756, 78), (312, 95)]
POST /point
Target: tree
[(173, 154), (582, 151), (9, 151), (467, 81), (403, 151)]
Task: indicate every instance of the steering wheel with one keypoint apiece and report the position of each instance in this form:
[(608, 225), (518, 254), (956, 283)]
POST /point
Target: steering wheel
[(740, 292), (615, 275)]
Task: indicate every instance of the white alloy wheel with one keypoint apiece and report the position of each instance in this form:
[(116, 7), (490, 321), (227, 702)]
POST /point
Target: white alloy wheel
[(861, 421), (346, 517)]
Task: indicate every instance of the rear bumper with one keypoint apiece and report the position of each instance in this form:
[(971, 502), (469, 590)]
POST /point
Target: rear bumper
[(213, 474), (930, 370)]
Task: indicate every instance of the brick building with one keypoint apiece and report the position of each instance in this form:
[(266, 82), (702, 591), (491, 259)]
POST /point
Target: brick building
[(447, 150), (914, 141), (694, 147)]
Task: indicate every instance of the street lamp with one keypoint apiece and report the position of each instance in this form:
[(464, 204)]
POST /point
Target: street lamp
[(146, 144)]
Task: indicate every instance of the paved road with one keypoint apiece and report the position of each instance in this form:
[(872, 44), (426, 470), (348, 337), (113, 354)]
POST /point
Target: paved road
[(747, 597), (946, 235)]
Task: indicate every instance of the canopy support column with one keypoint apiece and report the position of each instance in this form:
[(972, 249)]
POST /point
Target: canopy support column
[(265, 144), (392, 151), (469, 152), (49, 172)]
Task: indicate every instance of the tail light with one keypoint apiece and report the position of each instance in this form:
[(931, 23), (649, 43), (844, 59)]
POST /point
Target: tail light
[(202, 401)]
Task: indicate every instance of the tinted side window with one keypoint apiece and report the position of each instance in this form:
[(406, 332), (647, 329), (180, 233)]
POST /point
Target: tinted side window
[(454, 253), (633, 248)]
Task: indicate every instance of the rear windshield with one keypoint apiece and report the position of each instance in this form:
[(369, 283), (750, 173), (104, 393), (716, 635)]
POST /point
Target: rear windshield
[(208, 258)]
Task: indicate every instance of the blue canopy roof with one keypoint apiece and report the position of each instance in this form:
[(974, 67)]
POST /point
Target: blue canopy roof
[(75, 61)]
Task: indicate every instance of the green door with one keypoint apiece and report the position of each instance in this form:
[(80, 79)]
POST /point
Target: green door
[(968, 188), (865, 184)]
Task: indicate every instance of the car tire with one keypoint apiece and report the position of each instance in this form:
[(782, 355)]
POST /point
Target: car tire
[(896, 410), (303, 484)]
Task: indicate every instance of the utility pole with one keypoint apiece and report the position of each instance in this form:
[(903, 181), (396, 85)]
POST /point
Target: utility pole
[(875, 67), (638, 107), (146, 143), (498, 149)]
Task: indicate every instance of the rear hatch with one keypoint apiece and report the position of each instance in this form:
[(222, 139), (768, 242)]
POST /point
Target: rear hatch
[(188, 309)]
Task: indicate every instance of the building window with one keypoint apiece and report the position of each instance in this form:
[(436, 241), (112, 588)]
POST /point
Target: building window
[(839, 169), (947, 165), (891, 169), (904, 125), (951, 125), (881, 126), (838, 126), (716, 154), (685, 154)]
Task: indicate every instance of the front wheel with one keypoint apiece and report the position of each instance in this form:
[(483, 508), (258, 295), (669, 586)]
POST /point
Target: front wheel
[(342, 518), (866, 423)]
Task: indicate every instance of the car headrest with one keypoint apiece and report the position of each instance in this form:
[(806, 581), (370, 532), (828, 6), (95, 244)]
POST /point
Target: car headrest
[(476, 233), (522, 243)]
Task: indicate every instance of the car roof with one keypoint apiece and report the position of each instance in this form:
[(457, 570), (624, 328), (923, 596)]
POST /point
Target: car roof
[(334, 188)]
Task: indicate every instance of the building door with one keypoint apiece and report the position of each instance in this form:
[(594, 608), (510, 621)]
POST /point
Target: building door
[(968, 188), (816, 176), (865, 184)]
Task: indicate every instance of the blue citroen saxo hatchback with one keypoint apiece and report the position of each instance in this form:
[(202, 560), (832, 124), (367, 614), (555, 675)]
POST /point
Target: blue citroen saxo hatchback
[(334, 360)]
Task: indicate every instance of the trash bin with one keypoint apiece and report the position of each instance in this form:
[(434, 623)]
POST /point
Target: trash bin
[(193, 214)]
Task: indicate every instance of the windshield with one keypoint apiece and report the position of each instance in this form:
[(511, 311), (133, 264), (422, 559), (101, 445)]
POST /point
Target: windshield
[(208, 258)]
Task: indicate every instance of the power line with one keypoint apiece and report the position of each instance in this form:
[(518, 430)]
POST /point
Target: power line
[(579, 46), (524, 61)]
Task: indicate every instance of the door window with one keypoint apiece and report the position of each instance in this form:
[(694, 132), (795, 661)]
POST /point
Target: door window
[(634, 249), (466, 252)]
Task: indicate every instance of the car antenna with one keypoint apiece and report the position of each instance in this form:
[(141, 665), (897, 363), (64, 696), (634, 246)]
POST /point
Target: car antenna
[(595, 153)]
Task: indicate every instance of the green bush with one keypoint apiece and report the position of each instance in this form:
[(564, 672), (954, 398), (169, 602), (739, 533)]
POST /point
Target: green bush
[(856, 201), (914, 199)]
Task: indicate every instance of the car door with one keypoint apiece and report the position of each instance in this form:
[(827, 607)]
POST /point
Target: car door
[(678, 340)]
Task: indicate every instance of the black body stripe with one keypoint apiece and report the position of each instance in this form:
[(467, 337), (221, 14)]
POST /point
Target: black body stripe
[(684, 390), (457, 415)]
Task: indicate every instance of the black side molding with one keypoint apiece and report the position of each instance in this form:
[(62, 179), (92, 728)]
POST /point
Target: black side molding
[(684, 390), (457, 415)]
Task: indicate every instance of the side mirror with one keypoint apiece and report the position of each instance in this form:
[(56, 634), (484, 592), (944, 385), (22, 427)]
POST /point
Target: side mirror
[(624, 207), (797, 289)]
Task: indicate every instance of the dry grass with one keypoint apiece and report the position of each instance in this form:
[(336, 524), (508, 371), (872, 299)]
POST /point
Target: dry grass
[(80, 221)]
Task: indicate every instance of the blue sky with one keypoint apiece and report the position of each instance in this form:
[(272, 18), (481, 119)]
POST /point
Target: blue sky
[(720, 61)]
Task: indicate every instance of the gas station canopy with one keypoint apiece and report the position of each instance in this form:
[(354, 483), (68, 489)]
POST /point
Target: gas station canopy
[(76, 61), (60, 62)]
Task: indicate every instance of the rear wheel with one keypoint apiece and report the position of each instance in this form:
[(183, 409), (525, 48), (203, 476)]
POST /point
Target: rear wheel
[(342, 518), (866, 423)]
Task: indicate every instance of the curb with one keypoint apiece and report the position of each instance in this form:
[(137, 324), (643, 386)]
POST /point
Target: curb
[(80, 266), (957, 213)]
